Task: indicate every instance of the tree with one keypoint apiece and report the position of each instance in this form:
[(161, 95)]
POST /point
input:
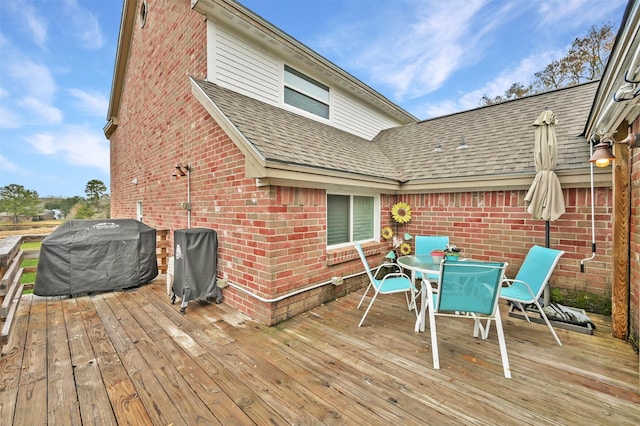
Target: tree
[(94, 190), (585, 61), (17, 200), (64, 204), (517, 90), (85, 211)]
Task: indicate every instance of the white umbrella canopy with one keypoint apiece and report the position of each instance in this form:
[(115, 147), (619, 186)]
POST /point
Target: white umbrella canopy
[(544, 199)]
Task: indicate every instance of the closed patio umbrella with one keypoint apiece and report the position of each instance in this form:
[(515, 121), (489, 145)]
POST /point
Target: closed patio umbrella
[(544, 199)]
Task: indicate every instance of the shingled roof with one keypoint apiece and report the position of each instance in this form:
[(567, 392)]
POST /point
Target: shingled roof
[(500, 139), (284, 137)]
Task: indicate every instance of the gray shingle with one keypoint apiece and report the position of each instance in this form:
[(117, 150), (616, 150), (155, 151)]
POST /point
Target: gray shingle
[(500, 137)]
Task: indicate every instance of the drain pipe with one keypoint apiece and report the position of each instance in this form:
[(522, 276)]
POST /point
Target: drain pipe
[(593, 220), (286, 296)]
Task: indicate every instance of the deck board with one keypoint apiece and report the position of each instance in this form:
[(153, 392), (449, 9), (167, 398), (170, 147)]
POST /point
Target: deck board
[(130, 357)]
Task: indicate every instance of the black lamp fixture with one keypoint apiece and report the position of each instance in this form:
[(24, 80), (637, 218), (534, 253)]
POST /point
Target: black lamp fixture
[(602, 155)]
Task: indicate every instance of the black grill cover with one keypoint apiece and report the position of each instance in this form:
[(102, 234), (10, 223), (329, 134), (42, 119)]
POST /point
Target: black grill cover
[(85, 256), (195, 263)]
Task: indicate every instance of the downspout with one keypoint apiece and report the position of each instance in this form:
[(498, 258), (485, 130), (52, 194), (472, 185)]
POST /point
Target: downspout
[(188, 196), (593, 215)]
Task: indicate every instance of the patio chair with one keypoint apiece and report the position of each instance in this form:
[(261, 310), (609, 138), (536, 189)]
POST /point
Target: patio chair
[(529, 283), (394, 282), (426, 244), (469, 290)]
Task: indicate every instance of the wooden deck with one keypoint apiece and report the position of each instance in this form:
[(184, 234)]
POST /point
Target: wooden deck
[(130, 357)]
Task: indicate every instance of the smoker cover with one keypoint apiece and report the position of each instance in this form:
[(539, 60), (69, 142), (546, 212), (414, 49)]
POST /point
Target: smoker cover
[(85, 256), (195, 263)]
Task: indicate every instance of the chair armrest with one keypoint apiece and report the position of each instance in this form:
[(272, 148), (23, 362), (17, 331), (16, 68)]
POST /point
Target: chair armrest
[(512, 282), (395, 266)]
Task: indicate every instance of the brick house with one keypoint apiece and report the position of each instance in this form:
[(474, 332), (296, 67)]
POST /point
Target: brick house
[(291, 159)]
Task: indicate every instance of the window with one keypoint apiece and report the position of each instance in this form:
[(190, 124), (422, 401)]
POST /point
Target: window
[(305, 93), (143, 13), (350, 218)]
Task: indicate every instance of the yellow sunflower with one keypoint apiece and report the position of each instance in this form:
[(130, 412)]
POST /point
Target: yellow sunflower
[(387, 232), (401, 212), (405, 249)]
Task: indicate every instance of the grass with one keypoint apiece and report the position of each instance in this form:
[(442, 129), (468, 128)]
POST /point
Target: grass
[(28, 278), (29, 263), (35, 245)]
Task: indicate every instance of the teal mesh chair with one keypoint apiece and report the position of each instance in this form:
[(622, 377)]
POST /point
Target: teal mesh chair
[(469, 290), (532, 278), (395, 282), (426, 244)]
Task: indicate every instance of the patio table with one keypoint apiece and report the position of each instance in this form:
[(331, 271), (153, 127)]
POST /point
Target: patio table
[(420, 263)]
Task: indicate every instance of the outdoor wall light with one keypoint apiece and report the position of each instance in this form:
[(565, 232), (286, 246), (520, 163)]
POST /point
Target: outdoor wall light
[(463, 144), (181, 170), (602, 155)]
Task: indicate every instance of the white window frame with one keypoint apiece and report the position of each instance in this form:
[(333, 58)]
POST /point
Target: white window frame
[(301, 90), (376, 218)]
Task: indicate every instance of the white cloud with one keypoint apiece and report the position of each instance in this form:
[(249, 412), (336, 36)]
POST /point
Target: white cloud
[(8, 118), (75, 145), (92, 103), (48, 113), (84, 25), (575, 13), (522, 73), (36, 24), (34, 79), (7, 166)]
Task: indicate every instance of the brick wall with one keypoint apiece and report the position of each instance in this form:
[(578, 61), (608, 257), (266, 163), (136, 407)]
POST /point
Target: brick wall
[(272, 239), (496, 226)]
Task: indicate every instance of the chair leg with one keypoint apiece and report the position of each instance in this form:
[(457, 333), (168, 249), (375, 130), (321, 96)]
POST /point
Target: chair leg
[(503, 345), (368, 308), (434, 338), (547, 321), (364, 295)]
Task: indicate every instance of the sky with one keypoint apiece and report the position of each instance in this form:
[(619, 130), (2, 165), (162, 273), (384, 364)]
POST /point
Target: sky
[(431, 57)]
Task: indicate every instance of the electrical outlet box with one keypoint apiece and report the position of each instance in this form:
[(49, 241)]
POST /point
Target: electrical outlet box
[(336, 280), (185, 206), (222, 282)]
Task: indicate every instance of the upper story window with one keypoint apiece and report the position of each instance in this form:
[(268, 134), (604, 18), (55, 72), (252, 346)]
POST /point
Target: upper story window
[(305, 93), (351, 218)]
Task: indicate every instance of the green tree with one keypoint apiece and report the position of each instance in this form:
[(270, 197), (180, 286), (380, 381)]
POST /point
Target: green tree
[(85, 211), (94, 190), (585, 61), (517, 90), (17, 200), (64, 204)]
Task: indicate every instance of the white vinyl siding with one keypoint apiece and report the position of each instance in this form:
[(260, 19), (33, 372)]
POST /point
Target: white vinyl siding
[(235, 63), (241, 67)]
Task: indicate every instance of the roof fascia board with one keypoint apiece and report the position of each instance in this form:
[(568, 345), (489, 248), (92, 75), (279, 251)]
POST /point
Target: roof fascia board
[(574, 179), (256, 160), (125, 35), (211, 10)]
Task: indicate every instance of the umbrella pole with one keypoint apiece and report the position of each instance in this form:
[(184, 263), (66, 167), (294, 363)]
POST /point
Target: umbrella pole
[(547, 290)]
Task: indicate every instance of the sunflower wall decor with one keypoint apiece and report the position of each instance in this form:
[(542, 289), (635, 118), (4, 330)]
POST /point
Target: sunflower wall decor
[(401, 212)]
